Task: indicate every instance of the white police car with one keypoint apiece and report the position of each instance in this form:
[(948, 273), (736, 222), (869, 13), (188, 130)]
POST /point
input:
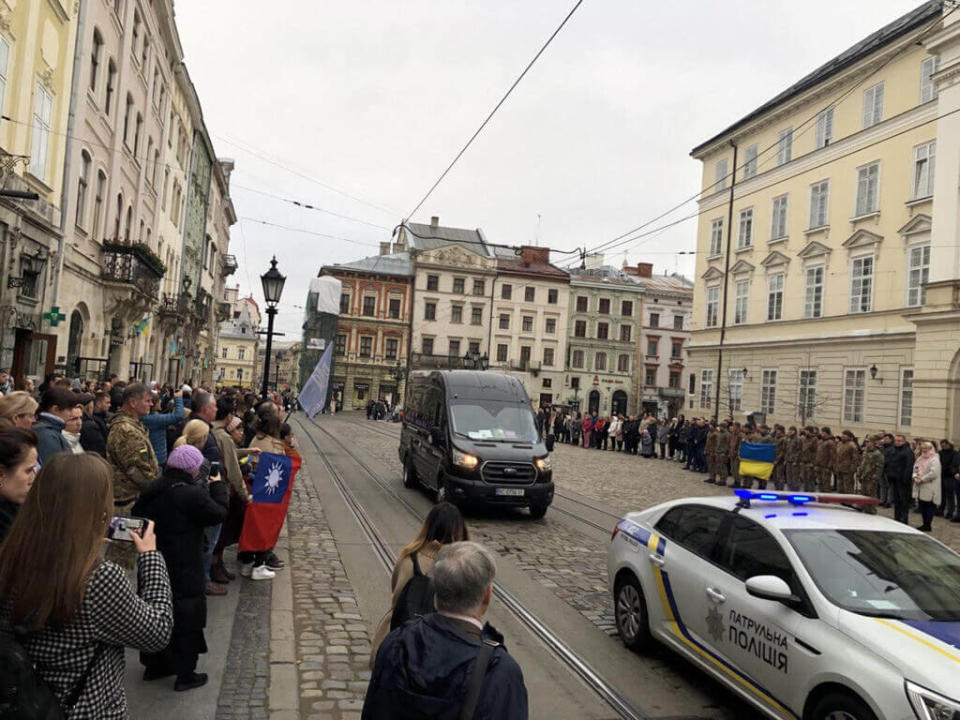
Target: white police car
[(809, 610)]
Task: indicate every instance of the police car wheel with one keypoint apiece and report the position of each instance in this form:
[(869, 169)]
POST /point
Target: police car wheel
[(841, 706), (630, 609), (409, 475)]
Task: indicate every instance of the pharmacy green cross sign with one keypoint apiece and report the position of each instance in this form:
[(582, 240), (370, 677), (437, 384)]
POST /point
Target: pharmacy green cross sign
[(55, 316)]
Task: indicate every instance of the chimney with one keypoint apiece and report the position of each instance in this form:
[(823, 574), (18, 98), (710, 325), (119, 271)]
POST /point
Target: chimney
[(401, 244), (435, 221), (645, 270), (385, 248), (531, 255)]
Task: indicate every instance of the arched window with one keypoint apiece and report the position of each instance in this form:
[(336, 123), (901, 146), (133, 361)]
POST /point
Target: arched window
[(98, 203), (156, 164), (82, 180), (95, 59), (116, 228), (74, 340), (111, 86), (148, 237), (147, 158), (126, 120), (135, 45), (140, 234), (146, 49), (136, 136), (129, 223), (166, 181)]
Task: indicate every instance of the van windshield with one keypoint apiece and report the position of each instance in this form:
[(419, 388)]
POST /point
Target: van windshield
[(493, 420)]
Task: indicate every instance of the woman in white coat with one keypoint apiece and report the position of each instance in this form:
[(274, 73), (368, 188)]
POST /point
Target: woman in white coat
[(926, 482)]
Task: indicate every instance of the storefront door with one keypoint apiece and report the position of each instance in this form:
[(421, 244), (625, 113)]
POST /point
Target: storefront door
[(34, 354)]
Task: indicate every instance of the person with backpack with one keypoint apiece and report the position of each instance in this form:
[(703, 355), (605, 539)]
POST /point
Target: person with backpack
[(412, 594), (449, 665)]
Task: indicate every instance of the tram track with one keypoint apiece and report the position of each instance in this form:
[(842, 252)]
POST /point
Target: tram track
[(561, 650)]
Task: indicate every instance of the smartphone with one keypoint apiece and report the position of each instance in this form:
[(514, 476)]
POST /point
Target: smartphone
[(123, 526), (214, 468)]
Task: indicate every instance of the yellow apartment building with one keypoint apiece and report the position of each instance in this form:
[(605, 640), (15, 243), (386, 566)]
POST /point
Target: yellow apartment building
[(814, 242)]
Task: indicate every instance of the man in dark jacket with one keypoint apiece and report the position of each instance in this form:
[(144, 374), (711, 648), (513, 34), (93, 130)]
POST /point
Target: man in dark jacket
[(424, 668), (898, 471), (949, 467), (93, 434), (56, 405)]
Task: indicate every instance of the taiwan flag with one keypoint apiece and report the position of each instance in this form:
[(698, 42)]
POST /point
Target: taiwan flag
[(272, 484)]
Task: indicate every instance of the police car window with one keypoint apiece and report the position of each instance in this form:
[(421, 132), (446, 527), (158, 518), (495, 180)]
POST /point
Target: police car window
[(667, 525), (750, 551), (696, 527)]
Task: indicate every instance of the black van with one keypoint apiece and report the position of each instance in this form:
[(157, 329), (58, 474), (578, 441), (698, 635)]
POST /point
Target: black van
[(471, 437)]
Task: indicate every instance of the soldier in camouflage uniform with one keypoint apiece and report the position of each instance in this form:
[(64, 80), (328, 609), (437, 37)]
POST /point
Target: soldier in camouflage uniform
[(825, 460), (779, 467), (808, 456), (736, 437), (791, 459), (723, 453), (870, 470), (761, 436), (129, 450), (846, 463), (710, 453)]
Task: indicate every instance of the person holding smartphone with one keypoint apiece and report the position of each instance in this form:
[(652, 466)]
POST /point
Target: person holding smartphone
[(183, 502)]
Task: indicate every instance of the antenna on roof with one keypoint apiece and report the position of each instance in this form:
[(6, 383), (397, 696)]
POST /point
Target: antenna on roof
[(536, 239)]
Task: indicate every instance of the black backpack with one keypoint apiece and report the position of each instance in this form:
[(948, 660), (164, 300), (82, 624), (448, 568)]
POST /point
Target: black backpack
[(416, 598)]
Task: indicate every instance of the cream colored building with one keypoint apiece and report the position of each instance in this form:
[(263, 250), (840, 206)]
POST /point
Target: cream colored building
[(37, 41), (238, 343), (829, 245)]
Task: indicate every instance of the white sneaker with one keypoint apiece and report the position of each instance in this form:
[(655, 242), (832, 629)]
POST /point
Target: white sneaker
[(262, 572), (246, 569)]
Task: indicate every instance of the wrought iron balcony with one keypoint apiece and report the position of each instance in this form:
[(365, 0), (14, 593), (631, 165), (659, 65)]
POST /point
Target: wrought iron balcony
[(223, 311), (132, 265), (173, 306), (229, 265), (671, 392)]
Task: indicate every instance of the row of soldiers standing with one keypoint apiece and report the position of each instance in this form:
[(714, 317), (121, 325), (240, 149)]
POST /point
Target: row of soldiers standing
[(808, 459)]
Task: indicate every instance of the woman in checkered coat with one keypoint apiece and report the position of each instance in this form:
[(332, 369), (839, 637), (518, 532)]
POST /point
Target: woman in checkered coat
[(73, 611)]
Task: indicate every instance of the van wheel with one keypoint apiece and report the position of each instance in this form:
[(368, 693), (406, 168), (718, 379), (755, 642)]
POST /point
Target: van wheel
[(839, 705), (630, 609), (538, 511), (409, 475)]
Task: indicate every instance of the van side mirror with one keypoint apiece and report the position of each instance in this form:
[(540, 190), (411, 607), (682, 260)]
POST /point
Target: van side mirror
[(436, 437)]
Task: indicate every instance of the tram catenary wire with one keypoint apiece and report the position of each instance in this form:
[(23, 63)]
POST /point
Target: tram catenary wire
[(562, 650)]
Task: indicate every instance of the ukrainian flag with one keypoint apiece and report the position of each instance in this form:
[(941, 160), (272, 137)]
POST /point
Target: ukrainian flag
[(756, 459)]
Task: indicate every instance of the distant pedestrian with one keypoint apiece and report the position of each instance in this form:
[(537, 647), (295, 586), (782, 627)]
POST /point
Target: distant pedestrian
[(926, 479), (18, 409), (898, 462), (949, 467)]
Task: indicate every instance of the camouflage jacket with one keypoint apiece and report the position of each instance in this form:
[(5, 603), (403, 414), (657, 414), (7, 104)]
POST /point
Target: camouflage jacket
[(847, 457), (723, 443), (871, 465), (794, 447), (129, 448), (826, 453), (781, 442), (808, 449), (711, 445)]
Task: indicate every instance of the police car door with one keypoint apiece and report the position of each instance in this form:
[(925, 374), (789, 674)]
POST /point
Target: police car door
[(681, 566), (769, 642)]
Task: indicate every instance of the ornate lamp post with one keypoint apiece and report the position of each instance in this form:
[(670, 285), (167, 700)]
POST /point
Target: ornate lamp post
[(272, 282)]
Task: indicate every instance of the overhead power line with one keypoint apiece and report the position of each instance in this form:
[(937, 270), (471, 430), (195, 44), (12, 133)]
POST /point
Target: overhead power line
[(305, 231), (306, 206)]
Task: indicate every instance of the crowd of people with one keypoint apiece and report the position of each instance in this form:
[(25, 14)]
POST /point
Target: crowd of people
[(76, 460), (901, 473)]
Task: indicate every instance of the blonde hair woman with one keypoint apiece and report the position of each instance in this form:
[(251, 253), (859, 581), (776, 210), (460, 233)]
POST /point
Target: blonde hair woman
[(195, 433), (926, 479), (18, 409)]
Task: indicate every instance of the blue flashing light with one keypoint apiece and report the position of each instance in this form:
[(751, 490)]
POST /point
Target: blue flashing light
[(742, 493), (767, 496), (800, 499), (771, 515), (800, 514)]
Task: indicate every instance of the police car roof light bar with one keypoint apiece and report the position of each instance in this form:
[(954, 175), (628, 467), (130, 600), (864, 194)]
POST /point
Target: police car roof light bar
[(746, 496)]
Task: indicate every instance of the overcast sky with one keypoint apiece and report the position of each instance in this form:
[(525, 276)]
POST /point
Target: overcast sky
[(357, 107)]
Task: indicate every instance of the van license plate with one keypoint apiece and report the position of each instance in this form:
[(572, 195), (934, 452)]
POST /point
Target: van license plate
[(513, 492)]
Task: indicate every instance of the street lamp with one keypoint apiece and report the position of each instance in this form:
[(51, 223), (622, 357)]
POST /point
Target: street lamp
[(272, 282)]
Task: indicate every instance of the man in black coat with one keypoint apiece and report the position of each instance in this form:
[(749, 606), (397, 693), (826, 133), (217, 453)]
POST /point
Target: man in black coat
[(898, 471), (182, 507), (424, 668), (93, 432)]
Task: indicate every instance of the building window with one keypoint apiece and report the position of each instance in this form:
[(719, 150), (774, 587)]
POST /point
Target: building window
[(716, 237), (240, 353), (341, 346), (626, 308), (768, 392), (745, 229), (581, 304), (427, 346), (775, 296), (868, 186), (784, 146), (807, 394), (813, 293), (548, 357), (654, 320), (126, 120), (574, 383), (95, 59), (393, 309), (872, 105), (603, 307), (476, 316), (501, 353), (623, 363), (676, 349), (706, 388), (778, 218), (928, 88), (4, 65), (552, 296), (750, 162), (524, 357), (136, 136), (527, 324), (456, 314), (603, 331), (551, 326), (454, 350), (678, 322), (82, 180), (111, 86), (906, 397), (478, 286), (600, 361), (529, 294), (430, 311), (824, 128), (576, 359), (742, 298), (98, 203), (861, 285), (40, 142), (923, 164), (650, 377), (223, 352), (459, 285), (391, 349), (504, 321), (674, 381), (653, 348), (625, 332), (713, 305), (369, 306), (819, 196), (366, 346), (735, 389), (722, 170), (344, 304), (918, 273), (854, 382), (506, 292), (580, 328), (433, 282)]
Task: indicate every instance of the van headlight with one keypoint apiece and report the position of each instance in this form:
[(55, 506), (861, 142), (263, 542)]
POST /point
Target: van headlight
[(929, 705), (464, 460), (544, 464)]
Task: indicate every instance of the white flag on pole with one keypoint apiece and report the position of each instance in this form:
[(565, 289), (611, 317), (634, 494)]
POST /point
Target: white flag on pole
[(313, 395)]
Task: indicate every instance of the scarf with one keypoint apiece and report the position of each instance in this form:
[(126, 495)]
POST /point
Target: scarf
[(924, 461)]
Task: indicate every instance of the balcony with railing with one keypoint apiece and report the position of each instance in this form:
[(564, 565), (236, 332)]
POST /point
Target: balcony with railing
[(223, 311), (133, 265), (173, 307), (229, 265)]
